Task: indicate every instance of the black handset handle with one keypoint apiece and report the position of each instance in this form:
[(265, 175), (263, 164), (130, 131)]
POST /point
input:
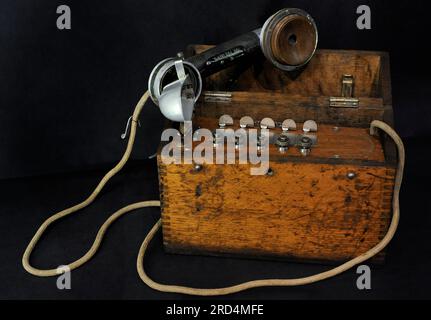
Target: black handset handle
[(227, 53)]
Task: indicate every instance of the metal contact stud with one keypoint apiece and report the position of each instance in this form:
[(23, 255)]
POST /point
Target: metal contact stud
[(282, 143), (309, 126), (288, 125), (246, 122), (225, 120), (305, 146), (267, 123)]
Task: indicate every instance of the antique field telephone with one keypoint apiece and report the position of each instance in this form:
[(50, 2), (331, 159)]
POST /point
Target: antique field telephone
[(331, 192), (288, 39)]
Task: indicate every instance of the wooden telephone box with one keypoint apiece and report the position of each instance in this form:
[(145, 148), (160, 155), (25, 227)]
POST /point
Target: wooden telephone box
[(331, 205)]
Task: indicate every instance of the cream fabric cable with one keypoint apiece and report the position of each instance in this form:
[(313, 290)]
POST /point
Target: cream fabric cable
[(53, 272), (199, 291)]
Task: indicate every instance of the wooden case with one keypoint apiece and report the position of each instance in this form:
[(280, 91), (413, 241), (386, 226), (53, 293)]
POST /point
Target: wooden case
[(331, 205)]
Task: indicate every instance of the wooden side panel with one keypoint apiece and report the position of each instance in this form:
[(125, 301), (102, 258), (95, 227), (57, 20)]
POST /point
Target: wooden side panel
[(303, 211)]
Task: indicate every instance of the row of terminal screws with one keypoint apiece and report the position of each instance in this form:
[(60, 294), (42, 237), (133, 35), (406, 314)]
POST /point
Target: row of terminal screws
[(267, 123)]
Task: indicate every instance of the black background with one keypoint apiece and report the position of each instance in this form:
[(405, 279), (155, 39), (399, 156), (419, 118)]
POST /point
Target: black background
[(65, 97)]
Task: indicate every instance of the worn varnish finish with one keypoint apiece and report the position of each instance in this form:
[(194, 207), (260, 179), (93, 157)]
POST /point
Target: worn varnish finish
[(308, 209), (305, 211)]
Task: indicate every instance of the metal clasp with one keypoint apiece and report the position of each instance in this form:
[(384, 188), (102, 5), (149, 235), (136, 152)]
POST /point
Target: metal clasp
[(346, 100)]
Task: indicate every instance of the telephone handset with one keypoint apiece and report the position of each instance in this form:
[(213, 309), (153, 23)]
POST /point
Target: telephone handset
[(288, 39)]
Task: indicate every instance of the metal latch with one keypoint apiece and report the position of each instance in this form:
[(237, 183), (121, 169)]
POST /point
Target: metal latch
[(346, 100), (217, 96)]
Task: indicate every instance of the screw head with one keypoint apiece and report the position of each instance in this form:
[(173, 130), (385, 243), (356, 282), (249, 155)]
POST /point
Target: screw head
[(270, 172), (197, 167), (351, 175), (305, 140), (305, 151), (282, 140), (282, 143)]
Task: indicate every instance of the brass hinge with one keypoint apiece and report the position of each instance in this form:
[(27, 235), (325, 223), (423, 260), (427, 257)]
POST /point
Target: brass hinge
[(346, 100), (217, 96)]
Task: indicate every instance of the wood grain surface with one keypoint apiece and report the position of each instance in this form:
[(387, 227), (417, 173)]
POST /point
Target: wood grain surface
[(329, 206), (303, 211)]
